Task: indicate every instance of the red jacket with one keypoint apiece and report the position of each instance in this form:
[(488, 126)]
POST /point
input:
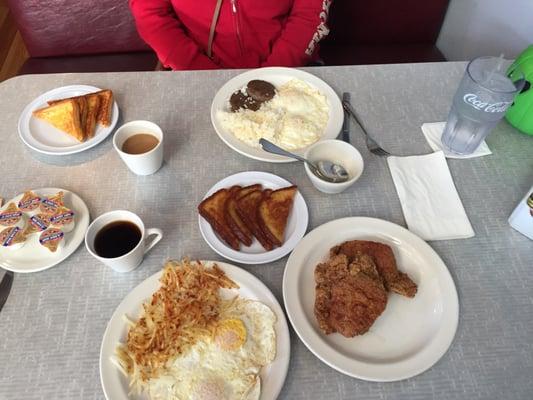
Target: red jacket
[(249, 33)]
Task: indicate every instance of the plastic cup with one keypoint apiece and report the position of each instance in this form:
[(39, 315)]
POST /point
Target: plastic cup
[(481, 100)]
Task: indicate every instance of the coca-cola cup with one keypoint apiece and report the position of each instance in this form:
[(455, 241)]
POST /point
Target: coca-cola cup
[(483, 96)]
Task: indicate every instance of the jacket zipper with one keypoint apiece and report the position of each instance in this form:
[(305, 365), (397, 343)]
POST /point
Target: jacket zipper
[(237, 25)]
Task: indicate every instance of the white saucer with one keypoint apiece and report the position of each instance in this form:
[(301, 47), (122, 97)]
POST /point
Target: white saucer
[(256, 254), (33, 257), (409, 337), (44, 138), (115, 385), (277, 76)]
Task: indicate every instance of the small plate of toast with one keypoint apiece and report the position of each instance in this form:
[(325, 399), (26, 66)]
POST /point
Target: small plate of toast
[(68, 120), (253, 217)]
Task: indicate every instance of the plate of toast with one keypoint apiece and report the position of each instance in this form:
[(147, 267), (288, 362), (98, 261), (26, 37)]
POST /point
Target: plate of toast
[(68, 119), (253, 217)]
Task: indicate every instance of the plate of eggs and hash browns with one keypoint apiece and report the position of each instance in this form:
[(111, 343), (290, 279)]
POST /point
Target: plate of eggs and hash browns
[(196, 330)]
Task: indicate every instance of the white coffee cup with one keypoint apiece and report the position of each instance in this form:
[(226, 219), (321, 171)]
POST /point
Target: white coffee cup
[(129, 261), (144, 163)]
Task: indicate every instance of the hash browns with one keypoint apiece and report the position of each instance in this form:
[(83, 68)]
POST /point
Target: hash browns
[(184, 309)]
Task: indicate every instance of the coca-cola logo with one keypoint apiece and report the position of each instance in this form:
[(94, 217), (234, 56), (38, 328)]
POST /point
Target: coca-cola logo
[(478, 104)]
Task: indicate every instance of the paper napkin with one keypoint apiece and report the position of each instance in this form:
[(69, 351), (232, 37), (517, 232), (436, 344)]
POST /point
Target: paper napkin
[(430, 203), (433, 132)]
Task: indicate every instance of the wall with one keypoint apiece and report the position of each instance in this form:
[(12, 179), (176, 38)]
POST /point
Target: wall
[(486, 27)]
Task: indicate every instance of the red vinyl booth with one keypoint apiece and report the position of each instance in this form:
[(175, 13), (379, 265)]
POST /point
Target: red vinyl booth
[(383, 31), (93, 36), (80, 36)]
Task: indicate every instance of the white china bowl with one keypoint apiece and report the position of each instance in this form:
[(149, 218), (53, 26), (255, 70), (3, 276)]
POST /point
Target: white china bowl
[(338, 152)]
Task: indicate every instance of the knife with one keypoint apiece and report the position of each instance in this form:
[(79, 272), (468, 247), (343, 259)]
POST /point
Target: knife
[(346, 122), (5, 287)]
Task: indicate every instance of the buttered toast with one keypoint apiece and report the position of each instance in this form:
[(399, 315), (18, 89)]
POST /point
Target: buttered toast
[(105, 105), (64, 115), (213, 210), (93, 103), (233, 219), (247, 208), (238, 214), (273, 213), (79, 115)]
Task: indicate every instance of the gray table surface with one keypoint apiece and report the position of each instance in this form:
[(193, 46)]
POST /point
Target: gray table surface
[(52, 324)]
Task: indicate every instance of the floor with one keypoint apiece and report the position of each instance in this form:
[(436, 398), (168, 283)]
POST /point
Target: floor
[(13, 53)]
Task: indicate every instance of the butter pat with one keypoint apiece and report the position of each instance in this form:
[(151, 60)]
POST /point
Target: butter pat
[(49, 205), (12, 216), (37, 223), (63, 219), (29, 202), (12, 238), (53, 239)]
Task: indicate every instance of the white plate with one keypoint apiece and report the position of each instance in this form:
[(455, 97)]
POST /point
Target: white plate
[(256, 254), (33, 257), (409, 337), (44, 138), (277, 76), (115, 385)]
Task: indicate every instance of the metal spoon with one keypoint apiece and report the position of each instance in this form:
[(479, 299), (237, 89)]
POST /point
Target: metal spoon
[(325, 170)]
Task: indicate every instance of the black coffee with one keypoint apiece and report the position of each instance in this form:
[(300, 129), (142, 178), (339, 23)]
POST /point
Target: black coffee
[(116, 239)]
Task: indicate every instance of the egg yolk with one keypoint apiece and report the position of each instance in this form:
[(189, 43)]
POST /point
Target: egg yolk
[(230, 334)]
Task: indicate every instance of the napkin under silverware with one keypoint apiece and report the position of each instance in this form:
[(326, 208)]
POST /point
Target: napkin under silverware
[(430, 203), (433, 132)]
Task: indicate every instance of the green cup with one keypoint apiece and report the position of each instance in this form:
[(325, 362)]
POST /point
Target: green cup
[(520, 113)]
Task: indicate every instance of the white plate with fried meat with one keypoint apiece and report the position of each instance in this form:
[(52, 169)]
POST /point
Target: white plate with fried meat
[(371, 299), (68, 119), (253, 217), (196, 330)]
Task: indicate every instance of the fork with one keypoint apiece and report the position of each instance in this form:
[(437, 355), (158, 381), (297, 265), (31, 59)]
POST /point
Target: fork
[(371, 144), (5, 287)]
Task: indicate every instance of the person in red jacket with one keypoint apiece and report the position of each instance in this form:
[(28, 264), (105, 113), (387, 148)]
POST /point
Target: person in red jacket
[(212, 34)]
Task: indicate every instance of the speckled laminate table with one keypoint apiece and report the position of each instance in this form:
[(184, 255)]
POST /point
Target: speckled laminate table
[(52, 324)]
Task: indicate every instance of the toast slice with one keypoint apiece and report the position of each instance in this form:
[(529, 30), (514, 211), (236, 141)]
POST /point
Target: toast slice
[(247, 189), (247, 208), (212, 209), (233, 219), (65, 116), (274, 211), (93, 103), (82, 104), (105, 106), (105, 109)]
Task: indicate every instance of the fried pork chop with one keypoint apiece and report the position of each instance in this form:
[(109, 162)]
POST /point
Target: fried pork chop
[(394, 280), (350, 294)]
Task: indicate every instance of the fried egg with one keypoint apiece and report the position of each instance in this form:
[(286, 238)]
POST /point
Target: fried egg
[(225, 366), (201, 383), (246, 331), (296, 117)]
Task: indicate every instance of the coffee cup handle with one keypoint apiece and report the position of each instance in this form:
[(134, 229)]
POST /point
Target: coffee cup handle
[(158, 236)]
